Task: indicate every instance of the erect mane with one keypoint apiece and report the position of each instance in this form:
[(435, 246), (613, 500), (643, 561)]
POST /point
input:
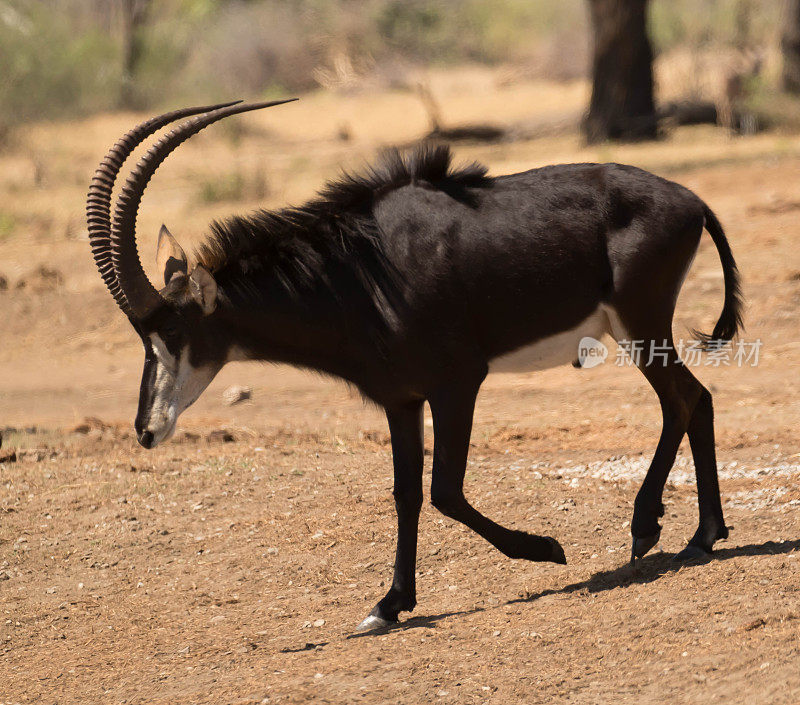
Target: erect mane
[(342, 209), (427, 163)]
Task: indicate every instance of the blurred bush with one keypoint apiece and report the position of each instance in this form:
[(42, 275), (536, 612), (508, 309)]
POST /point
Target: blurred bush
[(64, 57), (47, 68), (233, 186)]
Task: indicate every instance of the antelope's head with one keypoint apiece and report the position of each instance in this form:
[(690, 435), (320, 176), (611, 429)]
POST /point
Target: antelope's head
[(184, 349)]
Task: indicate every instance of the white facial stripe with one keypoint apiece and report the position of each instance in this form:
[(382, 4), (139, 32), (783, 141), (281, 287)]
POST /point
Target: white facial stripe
[(191, 381), (162, 354), (177, 385), (163, 411)]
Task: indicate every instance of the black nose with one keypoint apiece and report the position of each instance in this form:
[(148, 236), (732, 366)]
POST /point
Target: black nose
[(146, 439)]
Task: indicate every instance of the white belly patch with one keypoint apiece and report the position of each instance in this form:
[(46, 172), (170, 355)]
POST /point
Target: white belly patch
[(558, 349)]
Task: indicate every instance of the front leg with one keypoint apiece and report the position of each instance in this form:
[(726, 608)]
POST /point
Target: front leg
[(405, 426)]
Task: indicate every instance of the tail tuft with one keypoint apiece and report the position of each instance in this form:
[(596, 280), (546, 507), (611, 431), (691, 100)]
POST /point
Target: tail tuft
[(730, 320)]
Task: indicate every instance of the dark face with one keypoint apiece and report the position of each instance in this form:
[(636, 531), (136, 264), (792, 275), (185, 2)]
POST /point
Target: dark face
[(183, 353)]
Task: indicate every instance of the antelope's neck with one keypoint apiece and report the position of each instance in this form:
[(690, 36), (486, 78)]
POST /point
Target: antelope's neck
[(284, 326)]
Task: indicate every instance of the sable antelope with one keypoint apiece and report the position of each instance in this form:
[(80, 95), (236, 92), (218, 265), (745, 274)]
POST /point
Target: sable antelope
[(412, 281)]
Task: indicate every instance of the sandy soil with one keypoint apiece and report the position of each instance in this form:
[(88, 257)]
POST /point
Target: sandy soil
[(214, 571)]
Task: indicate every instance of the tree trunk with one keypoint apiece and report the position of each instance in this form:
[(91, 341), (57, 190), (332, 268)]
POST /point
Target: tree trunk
[(790, 47), (134, 18), (622, 106)]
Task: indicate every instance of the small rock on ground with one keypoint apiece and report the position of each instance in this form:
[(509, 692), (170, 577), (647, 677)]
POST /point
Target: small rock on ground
[(236, 393)]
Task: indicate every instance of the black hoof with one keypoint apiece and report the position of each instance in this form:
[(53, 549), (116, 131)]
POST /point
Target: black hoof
[(529, 547), (641, 545), (558, 552), (387, 610), (693, 553)]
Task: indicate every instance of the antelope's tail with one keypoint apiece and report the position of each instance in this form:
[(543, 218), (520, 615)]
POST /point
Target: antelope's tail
[(730, 320)]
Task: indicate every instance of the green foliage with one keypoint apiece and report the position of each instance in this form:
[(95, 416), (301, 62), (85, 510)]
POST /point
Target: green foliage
[(222, 188), (46, 70), (695, 23), (7, 225), (479, 30), (235, 186), (773, 108), (512, 29), (166, 47), (414, 25)]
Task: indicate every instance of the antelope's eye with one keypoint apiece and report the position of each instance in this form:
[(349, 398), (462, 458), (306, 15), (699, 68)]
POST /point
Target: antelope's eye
[(171, 335)]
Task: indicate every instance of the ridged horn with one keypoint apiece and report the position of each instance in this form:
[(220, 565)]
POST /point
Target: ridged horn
[(98, 201), (140, 294)]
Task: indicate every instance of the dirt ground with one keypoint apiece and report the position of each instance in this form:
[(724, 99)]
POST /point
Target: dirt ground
[(232, 564)]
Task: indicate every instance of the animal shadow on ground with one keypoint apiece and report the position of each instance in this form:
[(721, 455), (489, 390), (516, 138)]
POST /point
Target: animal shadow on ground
[(645, 570), (421, 621), (652, 567)]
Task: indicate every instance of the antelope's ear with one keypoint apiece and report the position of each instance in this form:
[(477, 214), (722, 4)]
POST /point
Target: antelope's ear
[(203, 289), (171, 258)]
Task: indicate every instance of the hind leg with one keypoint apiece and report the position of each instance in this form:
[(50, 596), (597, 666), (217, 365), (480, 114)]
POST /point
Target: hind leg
[(678, 393), (641, 309), (701, 439), (687, 408)]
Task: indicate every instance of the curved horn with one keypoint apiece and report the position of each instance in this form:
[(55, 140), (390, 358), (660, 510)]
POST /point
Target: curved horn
[(98, 201), (139, 293)]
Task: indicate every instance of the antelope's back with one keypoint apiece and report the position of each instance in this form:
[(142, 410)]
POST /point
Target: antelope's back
[(524, 253)]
